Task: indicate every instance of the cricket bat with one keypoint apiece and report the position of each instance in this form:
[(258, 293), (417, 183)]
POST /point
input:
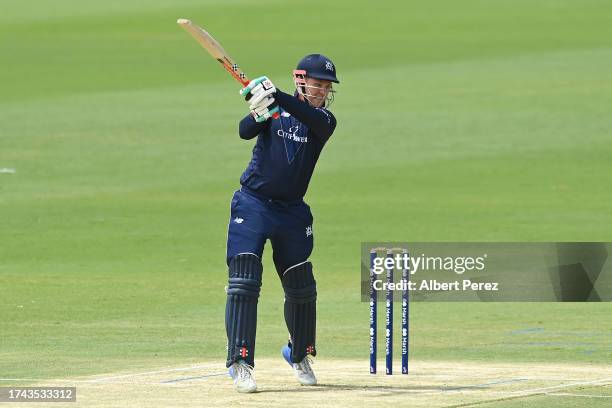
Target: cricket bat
[(216, 50)]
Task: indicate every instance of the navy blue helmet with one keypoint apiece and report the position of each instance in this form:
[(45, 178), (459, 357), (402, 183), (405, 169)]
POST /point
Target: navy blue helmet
[(318, 66)]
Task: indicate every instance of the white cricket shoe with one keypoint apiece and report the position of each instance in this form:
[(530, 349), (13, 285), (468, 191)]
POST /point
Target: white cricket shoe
[(302, 370), (242, 373)]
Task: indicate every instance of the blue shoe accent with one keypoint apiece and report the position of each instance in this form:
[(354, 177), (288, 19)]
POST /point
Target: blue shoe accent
[(286, 353)]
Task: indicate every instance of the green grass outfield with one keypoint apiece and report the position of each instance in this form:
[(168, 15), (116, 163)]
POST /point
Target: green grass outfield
[(457, 121)]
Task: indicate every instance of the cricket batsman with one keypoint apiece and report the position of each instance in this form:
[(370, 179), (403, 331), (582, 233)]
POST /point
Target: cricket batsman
[(269, 206)]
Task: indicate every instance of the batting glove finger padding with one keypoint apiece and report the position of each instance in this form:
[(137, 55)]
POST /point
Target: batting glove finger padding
[(267, 113), (261, 110), (247, 89), (261, 96), (265, 102), (256, 90), (250, 90)]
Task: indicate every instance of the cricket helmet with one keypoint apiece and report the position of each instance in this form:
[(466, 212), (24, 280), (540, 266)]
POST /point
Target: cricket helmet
[(318, 66), (315, 66)]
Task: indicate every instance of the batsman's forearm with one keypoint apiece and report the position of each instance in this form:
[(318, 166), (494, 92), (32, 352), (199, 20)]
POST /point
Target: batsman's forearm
[(248, 128), (319, 122)]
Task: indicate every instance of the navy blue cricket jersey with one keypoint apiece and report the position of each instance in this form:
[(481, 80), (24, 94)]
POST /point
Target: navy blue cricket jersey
[(287, 149)]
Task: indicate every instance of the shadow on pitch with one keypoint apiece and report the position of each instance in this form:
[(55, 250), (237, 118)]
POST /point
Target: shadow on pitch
[(407, 389)]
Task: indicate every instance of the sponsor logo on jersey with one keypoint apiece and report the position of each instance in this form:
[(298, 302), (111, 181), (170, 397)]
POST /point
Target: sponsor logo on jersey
[(292, 134)]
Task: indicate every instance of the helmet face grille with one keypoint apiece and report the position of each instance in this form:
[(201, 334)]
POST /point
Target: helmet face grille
[(302, 87)]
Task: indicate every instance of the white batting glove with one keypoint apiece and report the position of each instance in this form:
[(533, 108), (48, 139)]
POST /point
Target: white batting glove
[(265, 112), (260, 95), (258, 89)]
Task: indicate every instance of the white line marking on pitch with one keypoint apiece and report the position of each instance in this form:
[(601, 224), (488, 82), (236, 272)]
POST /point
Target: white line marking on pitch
[(198, 367), (536, 390), (567, 394), (200, 377), (148, 373), (45, 380)]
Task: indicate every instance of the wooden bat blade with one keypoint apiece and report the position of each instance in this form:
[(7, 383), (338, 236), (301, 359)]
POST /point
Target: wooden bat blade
[(215, 49), (204, 38)]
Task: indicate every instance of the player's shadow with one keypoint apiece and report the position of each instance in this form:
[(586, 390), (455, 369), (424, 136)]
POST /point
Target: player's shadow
[(407, 389)]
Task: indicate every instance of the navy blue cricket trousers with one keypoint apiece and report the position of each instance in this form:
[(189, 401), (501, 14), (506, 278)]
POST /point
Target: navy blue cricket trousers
[(255, 219)]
